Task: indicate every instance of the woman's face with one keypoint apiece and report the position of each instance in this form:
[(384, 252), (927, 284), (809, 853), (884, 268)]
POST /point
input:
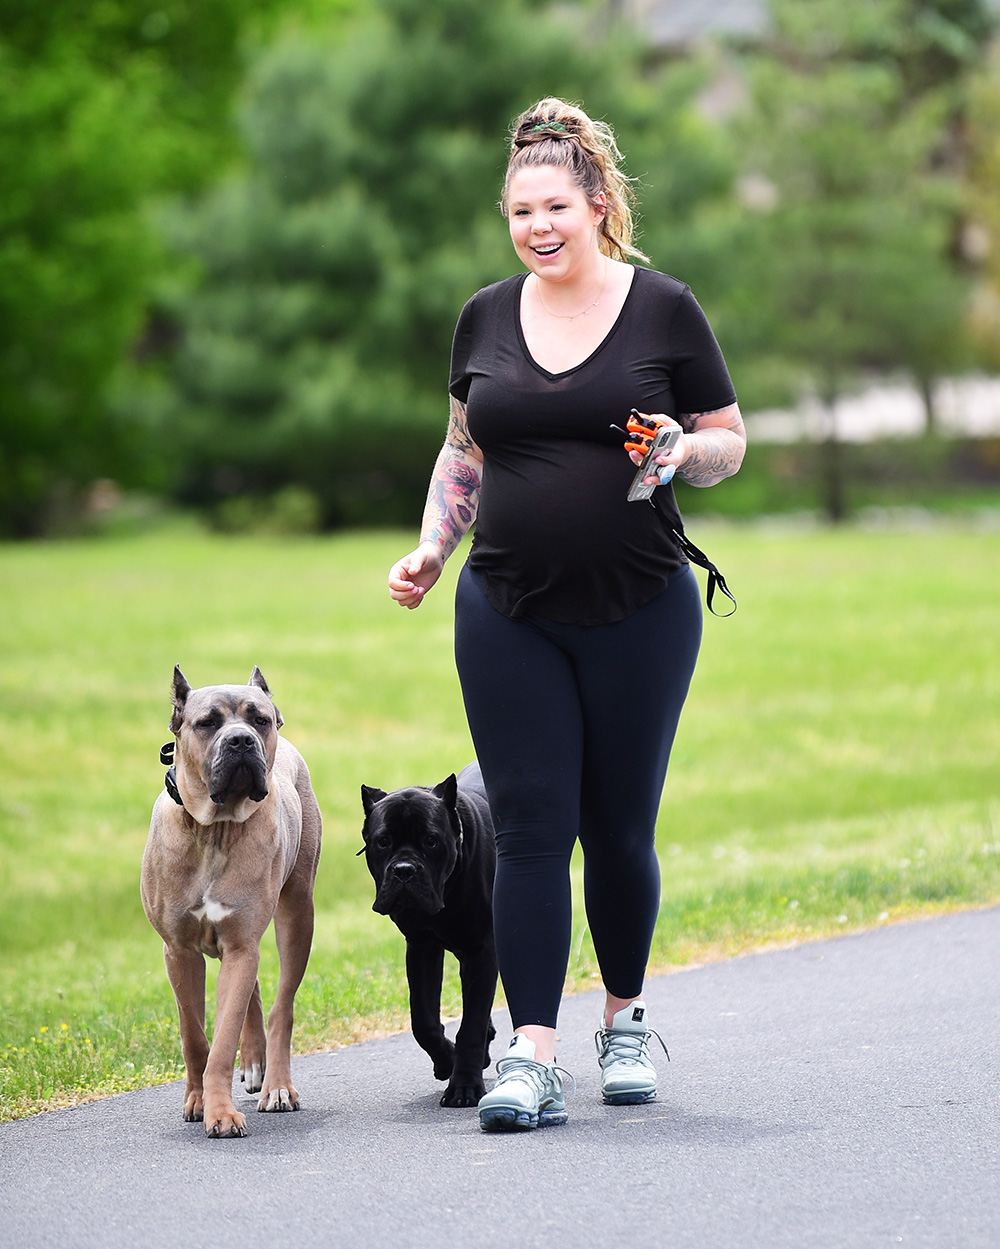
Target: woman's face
[(553, 225)]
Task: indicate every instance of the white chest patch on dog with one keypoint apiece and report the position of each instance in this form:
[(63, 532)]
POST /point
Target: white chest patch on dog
[(212, 911)]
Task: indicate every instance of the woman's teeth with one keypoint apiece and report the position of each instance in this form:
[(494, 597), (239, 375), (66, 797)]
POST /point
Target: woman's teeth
[(549, 249)]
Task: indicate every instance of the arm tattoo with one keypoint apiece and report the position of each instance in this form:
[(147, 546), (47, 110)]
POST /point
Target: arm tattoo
[(458, 430), (453, 497), (717, 440)]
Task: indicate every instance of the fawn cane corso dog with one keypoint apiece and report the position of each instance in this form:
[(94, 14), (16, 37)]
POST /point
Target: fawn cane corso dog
[(432, 855), (233, 842)]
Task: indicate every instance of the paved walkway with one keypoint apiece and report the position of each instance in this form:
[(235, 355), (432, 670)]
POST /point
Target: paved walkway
[(840, 1094)]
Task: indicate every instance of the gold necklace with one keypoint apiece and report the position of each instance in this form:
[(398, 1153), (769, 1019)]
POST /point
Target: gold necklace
[(561, 316)]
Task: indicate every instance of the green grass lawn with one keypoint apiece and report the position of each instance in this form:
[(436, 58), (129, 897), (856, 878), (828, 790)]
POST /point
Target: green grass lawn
[(836, 767)]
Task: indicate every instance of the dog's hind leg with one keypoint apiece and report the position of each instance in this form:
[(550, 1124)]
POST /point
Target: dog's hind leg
[(253, 1044), (186, 973), (424, 973), (293, 930), (237, 976)]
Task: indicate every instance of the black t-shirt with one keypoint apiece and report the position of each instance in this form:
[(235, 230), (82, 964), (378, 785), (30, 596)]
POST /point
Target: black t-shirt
[(555, 536)]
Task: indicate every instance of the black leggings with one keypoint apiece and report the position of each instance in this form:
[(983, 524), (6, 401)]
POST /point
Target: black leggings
[(573, 726)]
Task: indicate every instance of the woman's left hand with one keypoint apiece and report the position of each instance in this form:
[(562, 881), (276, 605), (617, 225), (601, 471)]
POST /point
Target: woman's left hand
[(675, 457)]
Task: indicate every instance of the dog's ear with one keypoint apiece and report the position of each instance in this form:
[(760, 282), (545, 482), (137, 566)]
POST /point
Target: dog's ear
[(179, 694), (447, 791), (369, 797), (257, 680)]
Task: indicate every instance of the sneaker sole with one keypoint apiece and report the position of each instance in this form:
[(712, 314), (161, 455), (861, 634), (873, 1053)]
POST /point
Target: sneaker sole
[(638, 1098), (505, 1119)]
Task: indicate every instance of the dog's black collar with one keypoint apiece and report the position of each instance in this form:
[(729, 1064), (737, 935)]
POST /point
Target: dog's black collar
[(170, 780)]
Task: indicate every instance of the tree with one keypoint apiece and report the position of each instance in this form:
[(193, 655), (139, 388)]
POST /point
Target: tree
[(101, 106), (850, 265)]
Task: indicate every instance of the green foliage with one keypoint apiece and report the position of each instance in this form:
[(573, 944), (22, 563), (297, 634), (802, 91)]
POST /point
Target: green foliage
[(836, 762), (101, 107), (315, 346)]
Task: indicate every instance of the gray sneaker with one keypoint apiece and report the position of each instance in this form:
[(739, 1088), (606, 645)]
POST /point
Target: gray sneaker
[(628, 1078), (527, 1094)]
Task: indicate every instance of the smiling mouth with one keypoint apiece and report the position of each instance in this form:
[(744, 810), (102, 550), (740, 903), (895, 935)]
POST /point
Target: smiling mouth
[(548, 249)]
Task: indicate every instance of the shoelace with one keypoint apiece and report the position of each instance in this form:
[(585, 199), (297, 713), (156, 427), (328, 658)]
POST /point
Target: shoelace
[(534, 1073), (628, 1047)]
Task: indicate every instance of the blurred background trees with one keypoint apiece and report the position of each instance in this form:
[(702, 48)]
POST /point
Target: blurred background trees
[(102, 106), (236, 237), (852, 249)]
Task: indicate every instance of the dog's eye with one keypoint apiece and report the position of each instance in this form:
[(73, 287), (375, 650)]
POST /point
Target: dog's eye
[(263, 721), (431, 843), (383, 842), (206, 724)]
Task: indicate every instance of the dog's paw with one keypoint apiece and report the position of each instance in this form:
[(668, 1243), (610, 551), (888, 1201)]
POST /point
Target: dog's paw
[(253, 1077), (463, 1095), (194, 1108), (444, 1060), (278, 1100), (226, 1124)]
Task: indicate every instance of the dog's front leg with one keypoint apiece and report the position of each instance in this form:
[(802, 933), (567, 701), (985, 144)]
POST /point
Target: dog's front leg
[(479, 982), (237, 977), (186, 973), (424, 972)]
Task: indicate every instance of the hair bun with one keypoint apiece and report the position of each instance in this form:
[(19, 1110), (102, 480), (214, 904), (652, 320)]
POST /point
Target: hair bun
[(536, 129)]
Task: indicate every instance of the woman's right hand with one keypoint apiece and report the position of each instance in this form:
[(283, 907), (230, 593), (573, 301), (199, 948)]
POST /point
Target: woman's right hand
[(415, 574)]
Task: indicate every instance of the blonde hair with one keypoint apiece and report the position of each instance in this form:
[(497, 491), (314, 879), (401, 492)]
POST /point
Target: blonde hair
[(553, 132)]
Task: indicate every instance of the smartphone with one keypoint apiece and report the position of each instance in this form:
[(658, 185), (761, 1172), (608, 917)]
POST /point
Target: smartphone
[(663, 440)]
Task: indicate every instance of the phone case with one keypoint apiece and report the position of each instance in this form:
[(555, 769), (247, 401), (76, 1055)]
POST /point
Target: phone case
[(663, 440)]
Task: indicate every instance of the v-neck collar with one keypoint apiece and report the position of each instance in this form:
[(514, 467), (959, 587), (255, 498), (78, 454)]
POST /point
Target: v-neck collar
[(597, 350)]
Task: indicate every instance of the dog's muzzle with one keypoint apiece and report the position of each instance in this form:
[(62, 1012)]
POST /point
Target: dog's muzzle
[(406, 881), (238, 767)]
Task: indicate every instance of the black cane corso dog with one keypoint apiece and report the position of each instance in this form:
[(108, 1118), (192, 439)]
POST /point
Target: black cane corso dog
[(432, 855)]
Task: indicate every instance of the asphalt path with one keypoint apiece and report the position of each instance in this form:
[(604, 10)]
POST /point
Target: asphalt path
[(842, 1093)]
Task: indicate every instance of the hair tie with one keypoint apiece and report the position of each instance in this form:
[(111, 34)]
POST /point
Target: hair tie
[(548, 125)]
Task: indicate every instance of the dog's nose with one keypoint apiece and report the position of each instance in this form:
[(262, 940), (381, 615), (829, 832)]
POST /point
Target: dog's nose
[(404, 871), (242, 741)]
